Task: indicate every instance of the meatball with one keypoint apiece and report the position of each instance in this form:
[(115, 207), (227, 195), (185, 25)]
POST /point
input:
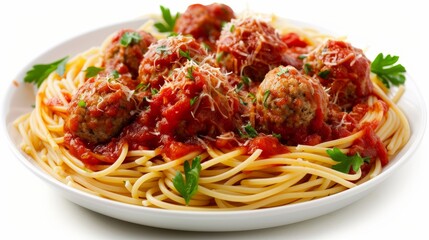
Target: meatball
[(100, 108), (343, 70), (289, 103), (204, 23), (125, 51), (251, 47), (166, 55)]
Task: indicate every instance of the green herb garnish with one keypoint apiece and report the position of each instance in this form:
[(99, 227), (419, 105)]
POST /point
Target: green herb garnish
[(81, 103), (246, 80), (324, 74), (345, 162), (161, 49), (190, 73), (188, 186), (130, 37), (252, 97), (232, 28), (169, 20), (242, 102), (387, 71), (239, 87), (250, 131), (277, 135), (193, 100), (154, 91), (219, 56), (282, 71), (264, 100), (115, 74), (142, 86), (92, 71), (40, 72), (307, 68), (186, 54), (206, 46)]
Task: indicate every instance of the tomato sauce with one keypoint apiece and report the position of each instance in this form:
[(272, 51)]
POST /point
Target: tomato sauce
[(369, 145), (268, 144), (93, 154)]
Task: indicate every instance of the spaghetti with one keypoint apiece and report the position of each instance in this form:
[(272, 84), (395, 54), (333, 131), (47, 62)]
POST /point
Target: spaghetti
[(239, 170)]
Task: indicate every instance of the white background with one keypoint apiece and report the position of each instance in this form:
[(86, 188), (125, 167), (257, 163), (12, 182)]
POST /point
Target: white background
[(31, 209)]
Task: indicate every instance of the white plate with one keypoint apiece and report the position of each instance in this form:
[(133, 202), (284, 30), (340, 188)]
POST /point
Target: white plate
[(19, 100)]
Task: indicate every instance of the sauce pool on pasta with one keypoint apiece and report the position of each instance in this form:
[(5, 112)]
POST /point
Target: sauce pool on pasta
[(263, 106)]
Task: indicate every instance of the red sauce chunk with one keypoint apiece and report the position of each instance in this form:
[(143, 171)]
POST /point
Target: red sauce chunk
[(369, 145), (268, 144), (293, 40), (93, 154), (175, 149)]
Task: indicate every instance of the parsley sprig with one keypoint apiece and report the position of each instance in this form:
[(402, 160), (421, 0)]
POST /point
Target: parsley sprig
[(40, 72), (130, 38), (267, 93), (387, 71), (282, 70), (169, 20), (345, 161), (249, 131), (186, 54), (188, 186), (92, 71)]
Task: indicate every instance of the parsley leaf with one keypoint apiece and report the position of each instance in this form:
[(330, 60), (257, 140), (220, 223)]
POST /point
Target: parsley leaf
[(238, 87), (345, 162), (190, 74), (142, 86), (307, 68), (282, 70), (81, 103), (186, 54), (277, 135), (252, 97), (324, 74), (193, 100), (242, 102), (232, 28), (188, 187), (130, 37), (264, 100), (387, 71), (246, 80), (162, 49), (92, 71), (154, 91), (206, 46), (115, 74), (250, 132), (40, 72), (219, 56), (169, 20)]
